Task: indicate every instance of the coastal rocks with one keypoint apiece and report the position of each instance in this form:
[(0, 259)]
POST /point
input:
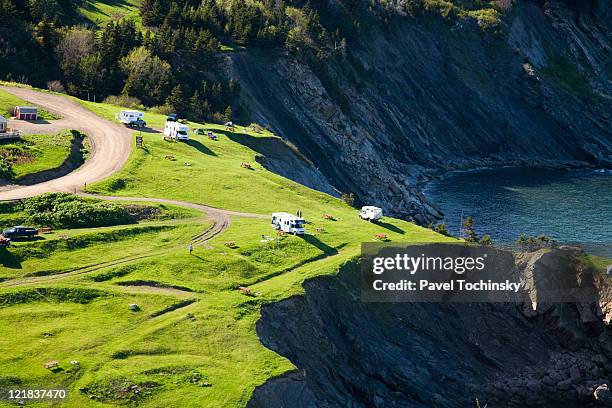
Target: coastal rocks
[(350, 353)]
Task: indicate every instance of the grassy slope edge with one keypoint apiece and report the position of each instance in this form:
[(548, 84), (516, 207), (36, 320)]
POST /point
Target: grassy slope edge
[(200, 353)]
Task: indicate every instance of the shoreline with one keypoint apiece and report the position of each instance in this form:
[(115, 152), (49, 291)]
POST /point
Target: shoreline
[(424, 184)]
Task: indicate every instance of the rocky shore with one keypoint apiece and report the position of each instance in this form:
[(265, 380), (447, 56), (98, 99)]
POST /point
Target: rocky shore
[(534, 354)]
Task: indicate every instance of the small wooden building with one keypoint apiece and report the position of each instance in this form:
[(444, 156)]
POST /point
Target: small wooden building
[(26, 112), (3, 124)]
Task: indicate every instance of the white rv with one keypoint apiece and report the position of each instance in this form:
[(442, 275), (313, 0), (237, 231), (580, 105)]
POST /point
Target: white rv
[(288, 223), (176, 130), (132, 118), (370, 213)]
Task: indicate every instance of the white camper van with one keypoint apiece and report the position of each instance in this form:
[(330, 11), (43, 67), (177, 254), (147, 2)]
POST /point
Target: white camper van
[(176, 130), (370, 213), (132, 118), (288, 223)]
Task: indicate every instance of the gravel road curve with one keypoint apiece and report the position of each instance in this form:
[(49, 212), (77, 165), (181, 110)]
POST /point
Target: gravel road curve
[(110, 143)]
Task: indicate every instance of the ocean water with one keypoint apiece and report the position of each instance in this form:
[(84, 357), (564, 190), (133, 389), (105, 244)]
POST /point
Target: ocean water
[(572, 206)]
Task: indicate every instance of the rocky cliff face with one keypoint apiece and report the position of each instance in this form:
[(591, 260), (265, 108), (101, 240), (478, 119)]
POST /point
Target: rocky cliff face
[(438, 95), (350, 353)]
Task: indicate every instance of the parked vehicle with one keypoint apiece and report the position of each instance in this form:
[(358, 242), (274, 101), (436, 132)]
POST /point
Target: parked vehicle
[(20, 232), (199, 131), (4, 242), (288, 223), (370, 213), (173, 117), (132, 118), (176, 131)]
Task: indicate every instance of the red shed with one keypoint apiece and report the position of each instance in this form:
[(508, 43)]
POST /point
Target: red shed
[(26, 112)]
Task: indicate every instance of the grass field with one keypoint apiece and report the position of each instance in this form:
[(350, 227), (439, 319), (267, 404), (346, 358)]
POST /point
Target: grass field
[(32, 154), (206, 171), (9, 101), (193, 341), (101, 12)]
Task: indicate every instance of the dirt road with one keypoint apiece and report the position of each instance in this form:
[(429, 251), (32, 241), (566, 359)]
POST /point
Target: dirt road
[(110, 143), (111, 146)]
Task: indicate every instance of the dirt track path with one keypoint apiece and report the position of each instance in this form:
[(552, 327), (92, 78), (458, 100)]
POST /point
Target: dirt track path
[(111, 147), (110, 143)]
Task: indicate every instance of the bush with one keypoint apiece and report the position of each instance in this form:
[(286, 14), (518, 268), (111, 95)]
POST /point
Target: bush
[(441, 229), (348, 198), (64, 210), (124, 100), (56, 86), (6, 170)]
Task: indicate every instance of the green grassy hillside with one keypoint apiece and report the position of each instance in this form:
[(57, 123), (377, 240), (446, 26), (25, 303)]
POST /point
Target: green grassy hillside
[(193, 340), (101, 12)]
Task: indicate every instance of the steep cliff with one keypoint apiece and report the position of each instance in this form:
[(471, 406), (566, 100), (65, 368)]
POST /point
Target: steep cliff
[(428, 94), (350, 353)]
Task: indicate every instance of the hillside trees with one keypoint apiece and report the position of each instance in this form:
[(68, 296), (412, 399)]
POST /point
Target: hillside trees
[(148, 77), (180, 44)]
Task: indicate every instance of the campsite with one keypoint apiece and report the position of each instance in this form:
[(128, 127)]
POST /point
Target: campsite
[(192, 319)]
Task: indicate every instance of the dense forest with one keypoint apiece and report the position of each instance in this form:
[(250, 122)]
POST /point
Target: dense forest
[(169, 59)]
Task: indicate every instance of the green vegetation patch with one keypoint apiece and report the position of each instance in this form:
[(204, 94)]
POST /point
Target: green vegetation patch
[(487, 14), (9, 101), (44, 248), (101, 12), (65, 211), (75, 295), (32, 154), (565, 75)]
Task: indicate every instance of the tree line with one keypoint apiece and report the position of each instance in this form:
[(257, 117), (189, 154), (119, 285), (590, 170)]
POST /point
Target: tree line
[(171, 62)]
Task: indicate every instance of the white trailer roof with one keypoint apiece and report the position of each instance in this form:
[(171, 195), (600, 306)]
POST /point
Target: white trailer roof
[(286, 215)]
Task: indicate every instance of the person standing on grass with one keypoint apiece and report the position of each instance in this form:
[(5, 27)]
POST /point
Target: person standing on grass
[(190, 248)]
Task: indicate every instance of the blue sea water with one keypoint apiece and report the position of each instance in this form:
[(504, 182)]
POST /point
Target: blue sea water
[(572, 206)]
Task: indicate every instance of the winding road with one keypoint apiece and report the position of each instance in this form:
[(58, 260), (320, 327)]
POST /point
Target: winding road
[(110, 142), (111, 146)]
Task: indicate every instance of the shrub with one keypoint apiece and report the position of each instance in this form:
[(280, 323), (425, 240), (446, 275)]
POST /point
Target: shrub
[(6, 170), (124, 100), (56, 86), (441, 229), (64, 210), (486, 240), (348, 198)]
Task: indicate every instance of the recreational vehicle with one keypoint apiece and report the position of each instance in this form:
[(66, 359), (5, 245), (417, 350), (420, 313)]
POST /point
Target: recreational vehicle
[(176, 130), (288, 223), (132, 118), (370, 213)]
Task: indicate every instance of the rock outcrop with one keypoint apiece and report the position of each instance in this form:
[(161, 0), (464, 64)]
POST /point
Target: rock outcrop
[(350, 353), (438, 95)]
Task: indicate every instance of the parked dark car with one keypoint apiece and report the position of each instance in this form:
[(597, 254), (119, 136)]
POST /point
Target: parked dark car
[(20, 232), (137, 123), (173, 117)]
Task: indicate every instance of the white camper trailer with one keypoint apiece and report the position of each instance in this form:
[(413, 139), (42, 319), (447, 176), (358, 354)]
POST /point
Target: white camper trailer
[(370, 213), (132, 118), (176, 130), (288, 223)]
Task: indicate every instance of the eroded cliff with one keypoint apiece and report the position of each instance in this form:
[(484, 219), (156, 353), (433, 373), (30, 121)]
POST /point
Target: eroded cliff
[(435, 94), (350, 353)]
